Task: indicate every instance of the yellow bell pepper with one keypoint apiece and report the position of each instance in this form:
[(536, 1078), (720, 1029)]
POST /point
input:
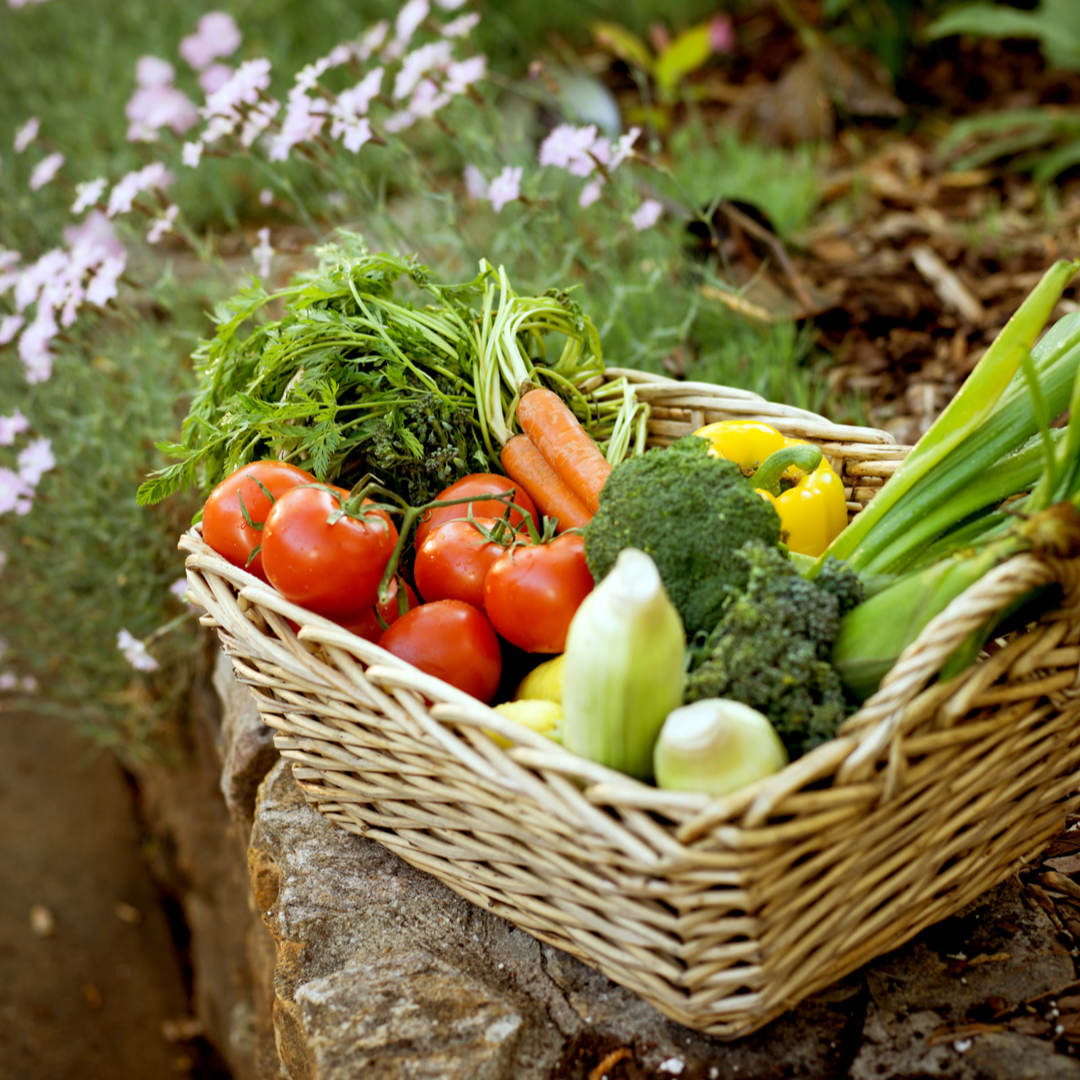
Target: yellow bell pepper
[(813, 510)]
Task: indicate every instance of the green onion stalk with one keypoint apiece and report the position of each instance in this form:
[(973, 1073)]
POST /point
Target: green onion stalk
[(958, 540)]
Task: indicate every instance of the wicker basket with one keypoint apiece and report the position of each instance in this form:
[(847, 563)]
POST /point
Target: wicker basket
[(723, 913)]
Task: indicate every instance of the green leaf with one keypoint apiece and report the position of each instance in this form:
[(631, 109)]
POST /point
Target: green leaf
[(689, 51), (625, 44), (1056, 24)]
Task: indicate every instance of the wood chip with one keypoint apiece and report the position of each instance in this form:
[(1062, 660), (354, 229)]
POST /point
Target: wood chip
[(1030, 1025), (1060, 883), (952, 292), (42, 921)]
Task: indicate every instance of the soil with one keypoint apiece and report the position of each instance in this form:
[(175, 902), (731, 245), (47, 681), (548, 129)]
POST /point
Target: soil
[(96, 985)]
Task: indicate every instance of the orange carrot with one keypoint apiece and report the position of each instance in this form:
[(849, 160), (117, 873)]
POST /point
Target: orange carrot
[(525, 465), (567, 447)]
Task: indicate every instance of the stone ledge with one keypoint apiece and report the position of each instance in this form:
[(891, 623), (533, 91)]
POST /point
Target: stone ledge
[(383, 972)]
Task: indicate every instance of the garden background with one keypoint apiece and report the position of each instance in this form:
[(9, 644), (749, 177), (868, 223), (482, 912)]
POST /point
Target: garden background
[(834, 203)]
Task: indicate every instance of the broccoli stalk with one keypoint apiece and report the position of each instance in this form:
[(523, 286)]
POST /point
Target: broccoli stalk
[(691, 513), (771, 648)]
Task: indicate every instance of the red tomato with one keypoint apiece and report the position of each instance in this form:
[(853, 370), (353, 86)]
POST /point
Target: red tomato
[(453, 561), (368, 627), (475, 484), (332, 570), (451, 640), (223, 524), (531, 593)]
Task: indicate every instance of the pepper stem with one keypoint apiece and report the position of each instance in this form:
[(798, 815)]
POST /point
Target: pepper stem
[(800, 456)]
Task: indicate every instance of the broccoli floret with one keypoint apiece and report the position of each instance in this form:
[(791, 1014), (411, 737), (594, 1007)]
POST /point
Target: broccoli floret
[(771, 651), (839, 579), (691, 513)]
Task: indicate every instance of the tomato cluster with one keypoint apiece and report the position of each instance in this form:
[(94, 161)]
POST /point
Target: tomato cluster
[(481, 573)]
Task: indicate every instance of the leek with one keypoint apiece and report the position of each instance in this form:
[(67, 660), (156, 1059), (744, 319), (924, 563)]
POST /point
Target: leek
[(716, 746), (623, 671)]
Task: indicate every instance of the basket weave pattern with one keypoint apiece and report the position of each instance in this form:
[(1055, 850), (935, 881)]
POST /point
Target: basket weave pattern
[(726, 912)]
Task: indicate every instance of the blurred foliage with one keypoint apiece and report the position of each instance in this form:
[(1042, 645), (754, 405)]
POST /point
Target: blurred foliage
[(1055, 24), (86, 560), (1044, 141)]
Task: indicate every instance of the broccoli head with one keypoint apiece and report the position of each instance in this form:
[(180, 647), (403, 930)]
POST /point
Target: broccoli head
[(839, 579), (691, 513), (771, 651)]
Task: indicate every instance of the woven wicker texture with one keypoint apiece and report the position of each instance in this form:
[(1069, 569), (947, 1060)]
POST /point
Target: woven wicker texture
[(726, 912)]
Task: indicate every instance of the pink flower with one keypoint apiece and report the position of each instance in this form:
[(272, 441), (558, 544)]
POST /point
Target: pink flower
[(27, 134), (192, 153), (373, 40), (96, 237), (216, 34), (179, 589), (308, 76), (354, 134), (152, 71), (461, 75), (266, 197), (34, 277), (34, 461), (102, 287), (12, 425), (258, 120), (721, 34), (160, 226), (151, 108), (356, 102), (122, 196), (409, 18), (45, 170), (475, 183), (399, 121), (34, 348), (461, 26), (590, 193), (134, 651), (303, 121), (13, 492), (646, 215), (10, 325), (434, 56), (427, 99), (624, 148), (568, 146), (251, 77), (263, 253), (215, 77), (89, 194), (506, 187)]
